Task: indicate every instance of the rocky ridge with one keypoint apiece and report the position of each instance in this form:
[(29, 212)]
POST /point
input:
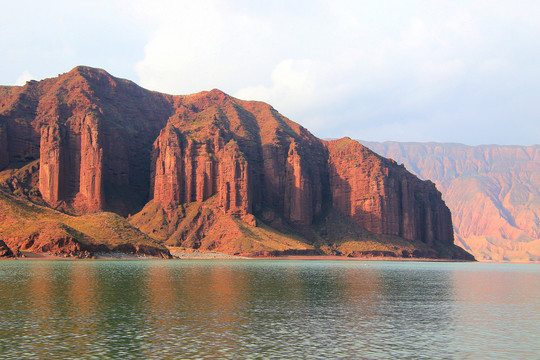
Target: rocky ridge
[(207, 171)]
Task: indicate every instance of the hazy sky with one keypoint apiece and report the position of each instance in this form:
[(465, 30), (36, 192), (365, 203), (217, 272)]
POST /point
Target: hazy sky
[(405, 70)]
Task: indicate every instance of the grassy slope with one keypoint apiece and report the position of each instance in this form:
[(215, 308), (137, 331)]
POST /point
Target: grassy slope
[(351, 239), (20, 219), (205, 227), (185, 228)]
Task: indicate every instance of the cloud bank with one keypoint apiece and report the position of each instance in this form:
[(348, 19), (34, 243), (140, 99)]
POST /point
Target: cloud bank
[(417, 70), (393, 70), (47, 38), (25, 76)]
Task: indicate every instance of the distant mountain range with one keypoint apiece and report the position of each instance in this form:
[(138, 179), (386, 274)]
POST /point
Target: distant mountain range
[(493, 192)]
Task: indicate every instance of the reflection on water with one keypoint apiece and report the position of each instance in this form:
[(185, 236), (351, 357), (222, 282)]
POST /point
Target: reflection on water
[(498, 310), (267, 309)]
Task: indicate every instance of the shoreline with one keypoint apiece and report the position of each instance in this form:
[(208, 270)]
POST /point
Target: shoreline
[(180, 255), (356, 258), (96, 256), (193, 255)]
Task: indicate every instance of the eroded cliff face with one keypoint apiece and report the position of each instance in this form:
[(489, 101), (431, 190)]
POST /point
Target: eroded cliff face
[(91, 175), (383, 197), (234, 190), (167, 179), (238, 151), (298, 190), (185, 170), (51, 164), (106, 144), (93, 134), (71, 167)]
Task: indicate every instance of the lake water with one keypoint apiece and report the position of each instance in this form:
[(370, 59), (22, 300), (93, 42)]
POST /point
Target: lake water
[(268, 309)]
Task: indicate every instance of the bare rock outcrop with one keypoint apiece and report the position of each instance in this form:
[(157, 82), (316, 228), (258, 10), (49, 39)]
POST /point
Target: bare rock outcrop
[(383, 197), (235, 197), (91, 195), (72, 176), (167, 179), (196, 170), (298, 190)]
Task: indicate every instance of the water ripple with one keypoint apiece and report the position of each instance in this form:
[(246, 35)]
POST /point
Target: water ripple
[(267, 310)]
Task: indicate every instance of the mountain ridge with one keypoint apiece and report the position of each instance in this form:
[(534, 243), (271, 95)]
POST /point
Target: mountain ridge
[(207, 171)]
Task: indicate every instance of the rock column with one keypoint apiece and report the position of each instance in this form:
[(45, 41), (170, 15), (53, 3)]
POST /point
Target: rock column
[(233, 176), (91, 179), (167, 179), (51, 164), (298, 204)]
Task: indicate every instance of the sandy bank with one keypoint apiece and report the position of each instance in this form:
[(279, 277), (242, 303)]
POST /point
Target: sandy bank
[(191, 255)]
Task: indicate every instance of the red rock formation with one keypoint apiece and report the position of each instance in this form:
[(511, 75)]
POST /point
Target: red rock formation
[(51, 164), (383, 197), (298, 191), (185, 171), (107, 126), (107, 144), (167, 180), (55, 181), (234, 194), (90, 196), (199, 170), (51, 183)]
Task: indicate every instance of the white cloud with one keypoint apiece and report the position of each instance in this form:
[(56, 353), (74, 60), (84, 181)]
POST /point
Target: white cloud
[(337, 67), (50, 38), (202, 45), (406, 71), (25, 76)]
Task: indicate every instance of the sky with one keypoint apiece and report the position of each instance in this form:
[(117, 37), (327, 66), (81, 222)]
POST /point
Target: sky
[(377, 70)]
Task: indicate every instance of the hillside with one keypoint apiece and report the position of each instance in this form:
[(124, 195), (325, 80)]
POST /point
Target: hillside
[(493, 192), (207, 172)]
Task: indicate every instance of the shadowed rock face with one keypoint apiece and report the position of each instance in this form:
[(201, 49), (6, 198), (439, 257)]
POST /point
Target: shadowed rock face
[(5, 251), (106, 144), (4, 154)]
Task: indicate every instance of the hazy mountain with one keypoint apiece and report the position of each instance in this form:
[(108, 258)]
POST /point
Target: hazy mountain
[(493, 192)]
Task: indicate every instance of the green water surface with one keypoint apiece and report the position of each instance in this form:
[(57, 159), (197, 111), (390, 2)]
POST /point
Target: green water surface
[(267, 309)]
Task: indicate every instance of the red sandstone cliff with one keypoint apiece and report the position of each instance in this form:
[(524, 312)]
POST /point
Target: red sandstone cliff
[(93, 134), (211, 171), (385, 198)]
